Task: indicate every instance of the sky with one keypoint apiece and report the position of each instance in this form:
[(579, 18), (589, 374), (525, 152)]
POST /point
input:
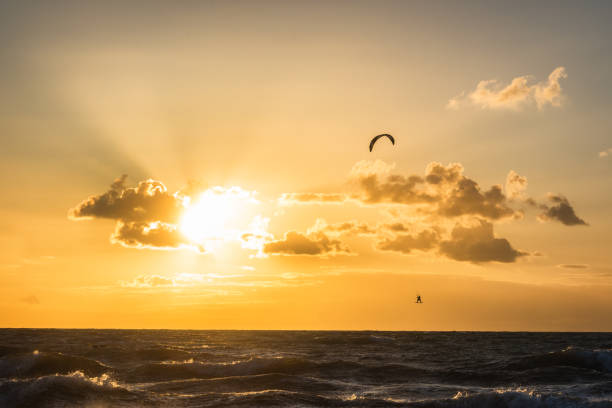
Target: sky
[(205, 165)]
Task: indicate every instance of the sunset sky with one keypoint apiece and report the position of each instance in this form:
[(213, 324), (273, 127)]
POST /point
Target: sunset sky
[(205, 165)]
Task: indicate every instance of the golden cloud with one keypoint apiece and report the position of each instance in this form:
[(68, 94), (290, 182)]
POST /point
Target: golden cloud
[(518, 94), (296, 243)]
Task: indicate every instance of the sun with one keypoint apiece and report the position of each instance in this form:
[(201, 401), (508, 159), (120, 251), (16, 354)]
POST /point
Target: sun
[(217, 214)]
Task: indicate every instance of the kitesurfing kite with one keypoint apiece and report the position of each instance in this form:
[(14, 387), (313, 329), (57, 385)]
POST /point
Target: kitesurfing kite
[(378, 137)]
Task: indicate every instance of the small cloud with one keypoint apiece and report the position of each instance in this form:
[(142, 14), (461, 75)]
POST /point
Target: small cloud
[(605, 153), (149, 281), (573, 266), (312, 198), (455, 103), (366, 168), (515, 185), (561, 211), (475, 243), (343, 228), (396, 227), (406, 243), (295, 243), (478, 244), (155, 235), (148, 202), (30, 300), (519, 93)]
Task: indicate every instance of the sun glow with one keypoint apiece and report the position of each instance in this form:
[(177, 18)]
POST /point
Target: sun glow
[(218, 214)]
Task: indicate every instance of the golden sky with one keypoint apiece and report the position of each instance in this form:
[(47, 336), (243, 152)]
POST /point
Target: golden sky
[(205, 165)]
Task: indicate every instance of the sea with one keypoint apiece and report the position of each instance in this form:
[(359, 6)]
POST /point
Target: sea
[(186, 368)]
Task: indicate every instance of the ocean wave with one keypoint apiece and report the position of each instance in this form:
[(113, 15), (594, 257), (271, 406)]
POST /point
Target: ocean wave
[(284, 398), (158, 353), (599, 360), (354, 339), (512, 398), (250, 383), (42, 363), (65, 390), (196, 369), (283, 365), (4, 350)]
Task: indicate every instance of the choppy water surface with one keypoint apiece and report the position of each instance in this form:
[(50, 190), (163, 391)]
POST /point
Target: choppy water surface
[(132, 368)]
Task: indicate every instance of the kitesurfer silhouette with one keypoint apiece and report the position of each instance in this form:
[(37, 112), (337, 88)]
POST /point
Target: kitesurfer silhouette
[(419, 299)]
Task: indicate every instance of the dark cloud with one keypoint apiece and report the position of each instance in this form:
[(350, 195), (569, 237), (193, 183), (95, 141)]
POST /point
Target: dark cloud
[(295, 243), (449, 192), (467, 198), (147, 215), (478, 244), (393, 188), (405, 243), (561, 211), (150, 235), (469, 244), (147, 202)]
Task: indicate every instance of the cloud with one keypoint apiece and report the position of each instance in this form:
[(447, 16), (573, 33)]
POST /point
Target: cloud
[(312, 198), (573, 266), (149, 281), (550, 92), (478, 244), (518, 94), (364, 168), (295, 243), (396, 227), (515, 185), (343, 228), (473, 243), (155, 235), (405, 243), (605, 153), (148, 216), (148, 202), (179, 280), (445, 188), (30, 300), (561, 211), (392, 188), (466, 197)]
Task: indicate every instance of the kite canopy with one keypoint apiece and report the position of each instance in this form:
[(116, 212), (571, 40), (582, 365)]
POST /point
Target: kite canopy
[(378, 137)]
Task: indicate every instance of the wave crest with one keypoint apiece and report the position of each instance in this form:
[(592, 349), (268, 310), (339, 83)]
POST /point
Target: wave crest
[(72, 387), (599, 360), (41, 363)]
